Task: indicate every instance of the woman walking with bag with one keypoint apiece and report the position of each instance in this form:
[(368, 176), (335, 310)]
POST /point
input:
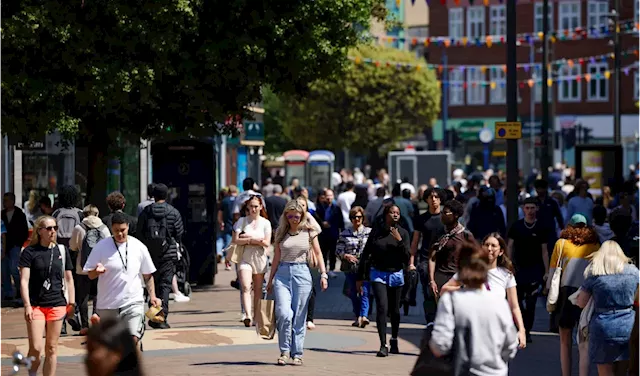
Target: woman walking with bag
[(383, 261), (611, 281), (473, 326), (253, 232), (296, 251), (46, 287), (566, 274), (350, 247)]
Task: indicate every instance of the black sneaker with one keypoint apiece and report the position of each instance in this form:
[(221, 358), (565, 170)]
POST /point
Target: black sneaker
[(383, 352), (159, 325), (75, 323), (235, 284), (393, 344)]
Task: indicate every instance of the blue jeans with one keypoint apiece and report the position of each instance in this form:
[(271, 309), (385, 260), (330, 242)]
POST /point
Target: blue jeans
[(9, 270), (292, 287), (360, 302), (223, 242)]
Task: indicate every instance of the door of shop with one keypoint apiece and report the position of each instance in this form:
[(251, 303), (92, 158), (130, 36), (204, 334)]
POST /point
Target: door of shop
[(188, 169)]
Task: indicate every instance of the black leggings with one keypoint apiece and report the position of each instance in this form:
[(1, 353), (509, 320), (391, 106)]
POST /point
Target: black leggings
[(387, 301), (312, 305)]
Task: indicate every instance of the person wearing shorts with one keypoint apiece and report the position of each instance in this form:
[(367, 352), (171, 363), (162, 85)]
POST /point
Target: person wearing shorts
[(253, 231), (117, 262), (46, 285)]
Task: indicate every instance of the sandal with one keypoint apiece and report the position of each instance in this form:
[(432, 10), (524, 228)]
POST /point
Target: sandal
[(283, 359), (297, 361)]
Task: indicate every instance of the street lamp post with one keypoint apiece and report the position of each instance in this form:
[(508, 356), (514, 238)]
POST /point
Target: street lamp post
[(615, 15), (545, 134)]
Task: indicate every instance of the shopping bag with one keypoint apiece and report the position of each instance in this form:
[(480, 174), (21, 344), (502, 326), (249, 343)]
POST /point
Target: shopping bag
[(266, 324)]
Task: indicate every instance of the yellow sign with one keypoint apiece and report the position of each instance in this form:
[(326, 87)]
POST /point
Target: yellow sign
[(499, 153), (509, 130)]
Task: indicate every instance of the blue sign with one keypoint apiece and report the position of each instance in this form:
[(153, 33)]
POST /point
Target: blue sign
[(526, 126), (253, 131)]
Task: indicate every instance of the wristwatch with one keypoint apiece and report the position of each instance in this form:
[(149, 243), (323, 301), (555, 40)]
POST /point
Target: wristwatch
[(324, 276)]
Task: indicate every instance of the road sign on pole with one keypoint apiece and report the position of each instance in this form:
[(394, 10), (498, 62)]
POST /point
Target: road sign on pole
[(509, 130)]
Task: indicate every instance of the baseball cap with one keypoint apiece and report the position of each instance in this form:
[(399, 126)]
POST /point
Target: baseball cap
[(577, 219)]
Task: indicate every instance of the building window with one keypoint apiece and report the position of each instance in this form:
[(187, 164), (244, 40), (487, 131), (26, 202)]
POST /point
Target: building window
[(568, 87), (598, 13), (498, 20), (598, 84), (475, 86), (536, 76), (456, 89), (537, 17), (569, 15), (456, 23), (498, 92), (475, 22), (418, 32)]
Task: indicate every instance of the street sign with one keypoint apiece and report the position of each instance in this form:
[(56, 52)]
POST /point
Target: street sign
[(509, 130), (253, 131)]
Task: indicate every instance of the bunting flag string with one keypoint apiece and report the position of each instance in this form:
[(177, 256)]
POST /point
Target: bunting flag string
[(586, 77), (604, 30), (525, 66)]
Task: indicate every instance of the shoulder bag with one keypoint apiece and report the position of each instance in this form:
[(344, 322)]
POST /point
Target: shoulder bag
[(312, 260), (554, 288), (63, 253), (235, 251)]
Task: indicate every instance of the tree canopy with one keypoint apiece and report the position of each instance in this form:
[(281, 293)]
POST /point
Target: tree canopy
[(136, 67), (368, 108)]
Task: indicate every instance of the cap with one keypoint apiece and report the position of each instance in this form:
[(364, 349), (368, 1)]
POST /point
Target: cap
[(577, 219)]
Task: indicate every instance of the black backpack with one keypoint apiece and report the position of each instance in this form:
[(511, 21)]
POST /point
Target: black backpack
[(91, 238), (156, 237)]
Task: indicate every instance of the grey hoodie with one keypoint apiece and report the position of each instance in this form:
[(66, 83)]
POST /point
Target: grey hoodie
[(604, 232), (78, 234)]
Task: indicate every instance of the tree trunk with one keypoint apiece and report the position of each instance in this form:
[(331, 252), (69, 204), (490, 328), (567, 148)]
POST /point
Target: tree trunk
[(97, 175)]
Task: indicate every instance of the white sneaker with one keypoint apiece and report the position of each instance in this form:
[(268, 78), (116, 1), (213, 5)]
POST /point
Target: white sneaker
[(172, 296), (181, 298), (310, 325)]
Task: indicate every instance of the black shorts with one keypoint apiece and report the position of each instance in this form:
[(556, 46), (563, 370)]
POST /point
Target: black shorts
[(566, 314)]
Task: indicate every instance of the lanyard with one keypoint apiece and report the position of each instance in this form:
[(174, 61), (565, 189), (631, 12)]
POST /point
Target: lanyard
[(125, 261), (50, 264)]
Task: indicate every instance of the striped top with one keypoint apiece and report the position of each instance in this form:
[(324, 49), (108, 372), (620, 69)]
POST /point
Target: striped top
[(573, 261), (352, 242), (294, 248)]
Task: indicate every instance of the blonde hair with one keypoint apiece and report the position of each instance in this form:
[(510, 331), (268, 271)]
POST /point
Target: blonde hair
[(90, 211), (37, 225), (609, 259), (302, 201), (33, 200), (283, 225)]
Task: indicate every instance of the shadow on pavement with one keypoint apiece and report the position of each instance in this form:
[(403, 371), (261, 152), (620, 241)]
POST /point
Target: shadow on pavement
[(196, 312), (246, 363)]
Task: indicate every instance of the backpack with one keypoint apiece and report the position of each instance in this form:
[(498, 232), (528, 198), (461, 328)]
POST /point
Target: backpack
[(156, 237), (67, 219), (91, 238)]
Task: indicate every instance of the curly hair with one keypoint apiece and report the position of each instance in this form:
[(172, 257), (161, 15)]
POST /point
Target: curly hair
[(455, 207), (580, 235), (68, 196), (116, 201)]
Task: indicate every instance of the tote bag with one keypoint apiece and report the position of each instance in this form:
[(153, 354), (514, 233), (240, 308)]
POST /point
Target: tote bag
[(554, 288), (235, 251), (266, 325)]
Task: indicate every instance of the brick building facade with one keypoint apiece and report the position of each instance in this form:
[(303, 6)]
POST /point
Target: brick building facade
[(580, 93)]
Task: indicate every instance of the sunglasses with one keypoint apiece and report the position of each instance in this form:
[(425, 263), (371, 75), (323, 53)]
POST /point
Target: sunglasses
[(293, 216), (356, 217), (49, 228)]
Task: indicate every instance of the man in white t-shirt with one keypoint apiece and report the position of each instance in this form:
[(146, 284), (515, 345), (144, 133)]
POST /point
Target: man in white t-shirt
[(118, 262), (345, 200)]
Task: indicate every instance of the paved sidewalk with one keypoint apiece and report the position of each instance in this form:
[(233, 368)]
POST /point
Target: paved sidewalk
[(207, 338)]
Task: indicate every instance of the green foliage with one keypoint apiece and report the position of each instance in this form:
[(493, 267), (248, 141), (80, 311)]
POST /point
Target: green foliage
[(133, 67), (367, 109)]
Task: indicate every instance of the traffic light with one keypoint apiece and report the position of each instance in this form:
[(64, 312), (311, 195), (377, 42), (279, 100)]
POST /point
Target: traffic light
[(569, 138)]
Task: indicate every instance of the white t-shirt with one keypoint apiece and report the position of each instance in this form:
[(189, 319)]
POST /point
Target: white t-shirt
[(345, 200), (119, 287), (499, 279), (256, 229)]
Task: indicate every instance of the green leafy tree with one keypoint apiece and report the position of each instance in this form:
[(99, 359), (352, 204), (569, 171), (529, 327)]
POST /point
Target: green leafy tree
[(368, 109), (111, 71)]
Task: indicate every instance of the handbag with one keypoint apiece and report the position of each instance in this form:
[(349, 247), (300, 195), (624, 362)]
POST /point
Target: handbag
[(266, 325), (554, 288), (312, 260), (234, 251), (447, 365)]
